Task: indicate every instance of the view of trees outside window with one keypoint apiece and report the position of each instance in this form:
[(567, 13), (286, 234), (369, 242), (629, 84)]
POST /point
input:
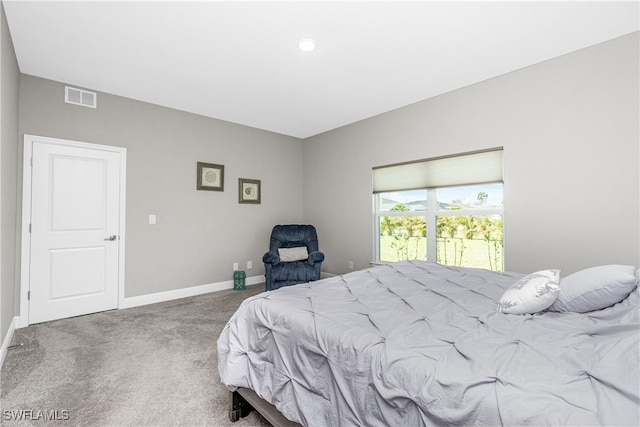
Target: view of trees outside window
[(470, 241), (403, 237), (461, 226)]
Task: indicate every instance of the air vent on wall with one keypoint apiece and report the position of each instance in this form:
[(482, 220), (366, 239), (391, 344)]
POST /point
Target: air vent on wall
[(80, 97)]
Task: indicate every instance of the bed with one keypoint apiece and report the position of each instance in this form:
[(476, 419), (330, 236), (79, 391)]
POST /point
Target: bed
[(416, 343)]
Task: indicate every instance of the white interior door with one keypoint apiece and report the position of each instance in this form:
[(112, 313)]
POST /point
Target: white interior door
[(75, 210)]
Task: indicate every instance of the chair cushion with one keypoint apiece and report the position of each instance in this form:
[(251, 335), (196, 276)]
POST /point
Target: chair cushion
[(293, 254)]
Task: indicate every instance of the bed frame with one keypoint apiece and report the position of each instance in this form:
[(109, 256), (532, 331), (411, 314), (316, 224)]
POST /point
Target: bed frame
[(244, 400)]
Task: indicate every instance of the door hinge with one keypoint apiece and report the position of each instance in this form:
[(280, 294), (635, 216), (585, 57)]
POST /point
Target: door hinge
[(28, 295), (29, 228), (31, 161)]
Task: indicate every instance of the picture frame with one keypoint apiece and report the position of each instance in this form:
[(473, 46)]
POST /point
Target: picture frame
[(249, 191), (210, 177)]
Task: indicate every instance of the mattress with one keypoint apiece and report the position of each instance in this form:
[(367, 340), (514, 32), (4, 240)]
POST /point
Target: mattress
[(416, 343)]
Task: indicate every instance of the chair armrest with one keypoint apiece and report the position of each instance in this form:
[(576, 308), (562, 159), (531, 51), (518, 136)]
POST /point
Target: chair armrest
[(315, 256), (271, 257)]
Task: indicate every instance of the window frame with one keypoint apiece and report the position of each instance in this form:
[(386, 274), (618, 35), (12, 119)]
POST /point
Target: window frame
[(430, 215)]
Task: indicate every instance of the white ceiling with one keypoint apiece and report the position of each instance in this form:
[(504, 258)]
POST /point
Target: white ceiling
[(239, 61)]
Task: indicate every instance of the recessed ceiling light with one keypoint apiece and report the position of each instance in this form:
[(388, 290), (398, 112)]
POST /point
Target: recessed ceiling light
[(307, 45)]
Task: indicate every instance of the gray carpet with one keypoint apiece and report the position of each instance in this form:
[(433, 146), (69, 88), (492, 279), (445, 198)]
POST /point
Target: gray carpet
[(154, 365)]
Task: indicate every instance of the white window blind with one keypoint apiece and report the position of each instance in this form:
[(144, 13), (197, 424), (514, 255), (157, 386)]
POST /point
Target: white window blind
[(469, 168)]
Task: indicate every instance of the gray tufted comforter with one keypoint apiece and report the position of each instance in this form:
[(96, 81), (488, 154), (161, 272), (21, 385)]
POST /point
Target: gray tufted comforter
[(417, 343)]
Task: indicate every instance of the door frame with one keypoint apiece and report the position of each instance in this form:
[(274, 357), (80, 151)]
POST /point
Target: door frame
[(25, 255)]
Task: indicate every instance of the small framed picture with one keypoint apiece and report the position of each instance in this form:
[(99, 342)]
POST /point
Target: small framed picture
[(249, 191), (210, 177)]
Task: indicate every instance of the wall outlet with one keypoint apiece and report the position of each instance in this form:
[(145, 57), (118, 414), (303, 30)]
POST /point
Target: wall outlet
[(249, 265), (350, 265), (235, 266), (152, 219)]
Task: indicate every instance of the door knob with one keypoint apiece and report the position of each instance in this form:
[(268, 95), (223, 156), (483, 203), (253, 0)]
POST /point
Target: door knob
[(111, 238)]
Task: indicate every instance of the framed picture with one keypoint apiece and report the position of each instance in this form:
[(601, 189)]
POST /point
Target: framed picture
[(210, 177), (249, 191)]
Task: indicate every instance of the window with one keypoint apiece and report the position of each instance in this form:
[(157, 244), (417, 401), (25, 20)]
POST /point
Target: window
[(458, 225)]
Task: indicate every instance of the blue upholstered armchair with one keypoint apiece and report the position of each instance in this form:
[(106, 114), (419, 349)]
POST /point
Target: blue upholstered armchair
[(293, 256)]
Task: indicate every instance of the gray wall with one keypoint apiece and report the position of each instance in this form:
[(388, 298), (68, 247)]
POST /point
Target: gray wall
[(9, 82), (569, 128), (199, 234)]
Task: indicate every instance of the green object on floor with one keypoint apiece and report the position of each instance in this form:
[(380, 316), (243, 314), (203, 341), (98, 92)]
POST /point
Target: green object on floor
[(238, 280)]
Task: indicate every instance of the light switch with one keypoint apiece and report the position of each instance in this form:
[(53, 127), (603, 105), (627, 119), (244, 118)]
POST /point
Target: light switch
[(152, 219)]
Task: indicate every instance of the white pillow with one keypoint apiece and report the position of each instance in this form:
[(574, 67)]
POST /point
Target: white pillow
[(595, 288), (532, 293), (293, 254)]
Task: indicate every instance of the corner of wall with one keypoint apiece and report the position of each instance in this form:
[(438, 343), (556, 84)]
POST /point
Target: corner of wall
[(9, 87)]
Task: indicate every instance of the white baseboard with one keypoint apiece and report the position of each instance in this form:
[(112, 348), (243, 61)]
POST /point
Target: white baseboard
[(183, 293), (7, 340)]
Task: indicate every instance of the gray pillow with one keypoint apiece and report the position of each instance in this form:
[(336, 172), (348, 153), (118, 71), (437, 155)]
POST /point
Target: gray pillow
[(293, 254), (595, 288)]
